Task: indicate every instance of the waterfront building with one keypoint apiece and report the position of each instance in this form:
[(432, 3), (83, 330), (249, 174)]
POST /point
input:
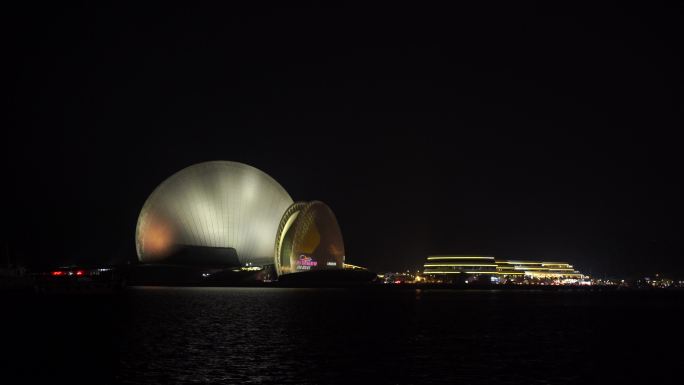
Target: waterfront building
[(469, 268), (536, 269), (459, 264), (230, 215)]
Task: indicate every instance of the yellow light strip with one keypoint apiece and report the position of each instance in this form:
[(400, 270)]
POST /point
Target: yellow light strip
[(470, 272), (464, 257), (455, 264), (503, 267), (535, 274), (519, 263)]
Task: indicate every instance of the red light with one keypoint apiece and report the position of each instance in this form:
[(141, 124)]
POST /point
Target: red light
[(80, 272), (57, 273), (397, 281)]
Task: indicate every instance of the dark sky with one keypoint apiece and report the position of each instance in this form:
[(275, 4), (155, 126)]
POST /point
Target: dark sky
[(525, 131)]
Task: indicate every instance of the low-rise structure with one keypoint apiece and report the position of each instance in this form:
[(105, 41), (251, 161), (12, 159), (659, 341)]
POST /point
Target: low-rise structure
[(479, 268)]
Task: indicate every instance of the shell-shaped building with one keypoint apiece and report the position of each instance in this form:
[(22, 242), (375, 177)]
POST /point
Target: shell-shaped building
[(217, 212), (308, 238)]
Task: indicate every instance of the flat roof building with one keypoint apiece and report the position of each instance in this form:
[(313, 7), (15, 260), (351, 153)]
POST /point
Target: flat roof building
[(535, 269), (458, 264), (451, 266)]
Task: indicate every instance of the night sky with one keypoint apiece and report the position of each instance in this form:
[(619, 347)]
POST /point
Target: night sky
[(524, 131)]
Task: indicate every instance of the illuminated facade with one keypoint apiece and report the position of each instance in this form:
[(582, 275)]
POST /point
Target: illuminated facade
[(212, 213), (228, 214), (532, 269), (459, 264), (308, 238), (487, 266)]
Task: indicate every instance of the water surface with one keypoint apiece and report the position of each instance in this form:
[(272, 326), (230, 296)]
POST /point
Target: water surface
[(156, 335)]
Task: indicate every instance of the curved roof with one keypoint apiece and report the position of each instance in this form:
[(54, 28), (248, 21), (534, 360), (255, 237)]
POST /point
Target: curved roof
[(283, 240), (218, 204), (309, 238)]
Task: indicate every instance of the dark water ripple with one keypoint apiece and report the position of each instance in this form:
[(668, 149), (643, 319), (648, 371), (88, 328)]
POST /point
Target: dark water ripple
[(341, 336)]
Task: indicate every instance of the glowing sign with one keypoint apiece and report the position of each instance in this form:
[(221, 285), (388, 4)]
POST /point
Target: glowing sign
[(305, 263)]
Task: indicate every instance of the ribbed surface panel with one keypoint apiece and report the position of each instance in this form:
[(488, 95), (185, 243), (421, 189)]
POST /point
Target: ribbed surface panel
[(213, 204)]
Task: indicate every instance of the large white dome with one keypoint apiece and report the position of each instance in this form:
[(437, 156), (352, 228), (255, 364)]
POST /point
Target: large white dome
[(216, 205)]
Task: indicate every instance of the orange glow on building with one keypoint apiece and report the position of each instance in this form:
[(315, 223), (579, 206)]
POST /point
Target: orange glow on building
[(158, 240)]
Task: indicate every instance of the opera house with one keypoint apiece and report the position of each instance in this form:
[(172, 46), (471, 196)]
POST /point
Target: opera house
[(224, 216)]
